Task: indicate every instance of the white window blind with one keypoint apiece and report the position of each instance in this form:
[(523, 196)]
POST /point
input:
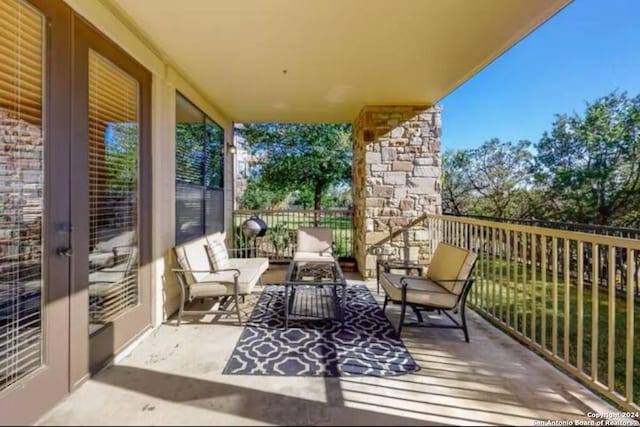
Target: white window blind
[(21, 190), (113, 190)]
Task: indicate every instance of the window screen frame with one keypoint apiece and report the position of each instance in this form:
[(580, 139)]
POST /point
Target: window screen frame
[(208, 145)]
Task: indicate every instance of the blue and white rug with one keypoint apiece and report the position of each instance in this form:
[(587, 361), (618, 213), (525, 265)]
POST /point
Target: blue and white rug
[(366, 344)]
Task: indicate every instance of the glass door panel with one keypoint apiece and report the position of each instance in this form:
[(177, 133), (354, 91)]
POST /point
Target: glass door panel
[(113, 191), (21, 191), (111, 200), (34, 208)]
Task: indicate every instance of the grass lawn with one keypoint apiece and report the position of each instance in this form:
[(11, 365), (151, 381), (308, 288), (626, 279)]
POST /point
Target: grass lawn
[(512, 301)]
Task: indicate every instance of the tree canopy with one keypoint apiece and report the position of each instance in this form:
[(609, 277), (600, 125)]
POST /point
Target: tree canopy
[(493, 179), (585, 169), (308, 159), (589, 166)]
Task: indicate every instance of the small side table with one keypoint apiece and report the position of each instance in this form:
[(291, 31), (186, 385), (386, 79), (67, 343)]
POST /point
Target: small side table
[(397, 265)]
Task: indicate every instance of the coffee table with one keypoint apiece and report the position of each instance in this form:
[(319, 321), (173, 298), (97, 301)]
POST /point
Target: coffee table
[(315, 274)]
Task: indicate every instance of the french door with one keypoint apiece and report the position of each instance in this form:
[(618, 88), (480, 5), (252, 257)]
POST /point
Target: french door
[(75, 199), (111, 196), (34, 208)]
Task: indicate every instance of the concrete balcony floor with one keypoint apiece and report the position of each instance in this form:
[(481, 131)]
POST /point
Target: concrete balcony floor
[(174, 377)]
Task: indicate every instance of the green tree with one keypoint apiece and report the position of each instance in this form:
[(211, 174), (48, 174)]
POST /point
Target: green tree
[(589, 165), (493, 179), (302, 157), (190, 138), (457, 193), (121, 156), (259, 195)]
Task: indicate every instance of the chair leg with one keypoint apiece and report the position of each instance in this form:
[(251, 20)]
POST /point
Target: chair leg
[(386, 299), (182, 300), (238, 309), (418, 315), (464, 323), (402, 313)]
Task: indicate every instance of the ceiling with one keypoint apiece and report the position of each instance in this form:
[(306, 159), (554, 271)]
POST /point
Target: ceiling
[(322, 60)]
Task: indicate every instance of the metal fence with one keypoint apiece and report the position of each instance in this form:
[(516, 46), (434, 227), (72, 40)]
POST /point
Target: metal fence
[(282, 225)]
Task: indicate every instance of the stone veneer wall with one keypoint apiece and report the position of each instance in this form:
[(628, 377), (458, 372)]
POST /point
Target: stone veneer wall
[(396, 178)]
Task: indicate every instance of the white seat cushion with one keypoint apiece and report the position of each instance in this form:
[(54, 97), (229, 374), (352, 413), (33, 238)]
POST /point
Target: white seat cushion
[(218, 256), (314, 239), (221, 283), (101, 259), (313, 256), (209, 289), (126, 238), (193, 256), (420, 290), (259, 264), (216, 237)]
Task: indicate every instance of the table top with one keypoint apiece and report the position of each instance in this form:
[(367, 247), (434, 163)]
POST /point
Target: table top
[(314, 273)]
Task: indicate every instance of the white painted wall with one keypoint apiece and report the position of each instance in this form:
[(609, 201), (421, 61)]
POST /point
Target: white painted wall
[(166, 81)]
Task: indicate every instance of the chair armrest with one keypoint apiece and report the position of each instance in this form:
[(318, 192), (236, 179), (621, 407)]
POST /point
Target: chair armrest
[(235, 270), (116, 248), (404, 283), (180, 270), (387, 267), (453, 280)]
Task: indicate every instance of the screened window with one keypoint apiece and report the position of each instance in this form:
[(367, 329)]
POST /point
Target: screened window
[(199, 172)]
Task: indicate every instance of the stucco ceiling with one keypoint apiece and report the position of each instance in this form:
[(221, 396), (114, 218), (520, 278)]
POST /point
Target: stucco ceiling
[(322, 60)]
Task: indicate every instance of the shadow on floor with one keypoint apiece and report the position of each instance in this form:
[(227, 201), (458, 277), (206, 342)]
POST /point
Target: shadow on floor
[(259, 405)]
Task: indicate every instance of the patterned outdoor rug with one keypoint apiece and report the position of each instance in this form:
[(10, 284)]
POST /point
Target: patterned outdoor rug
[(367, 344)]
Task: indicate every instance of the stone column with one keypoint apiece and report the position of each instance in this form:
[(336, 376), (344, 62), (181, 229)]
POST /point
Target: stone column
[(396, 178)]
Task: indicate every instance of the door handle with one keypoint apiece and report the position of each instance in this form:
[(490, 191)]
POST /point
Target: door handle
[(68, 252)]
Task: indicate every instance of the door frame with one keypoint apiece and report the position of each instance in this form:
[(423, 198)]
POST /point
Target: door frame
[(90, 353), (26, 400)]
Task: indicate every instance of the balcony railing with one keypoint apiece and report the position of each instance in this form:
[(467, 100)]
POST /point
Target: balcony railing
[(570, 296), (280, 239)]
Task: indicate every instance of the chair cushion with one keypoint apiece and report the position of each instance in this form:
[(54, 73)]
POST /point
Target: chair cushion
[(221, 283), (209, 289), (450, 263), (108, 275), (420, 290), (216, 237), (312, 256), (315, 239), (258, 264), (215, 282), (193, 256), (101, 259), (126, 238), (218, 256), (105, 289)]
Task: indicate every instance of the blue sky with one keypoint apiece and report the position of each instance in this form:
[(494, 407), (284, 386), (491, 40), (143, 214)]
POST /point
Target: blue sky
[(589, 49)]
